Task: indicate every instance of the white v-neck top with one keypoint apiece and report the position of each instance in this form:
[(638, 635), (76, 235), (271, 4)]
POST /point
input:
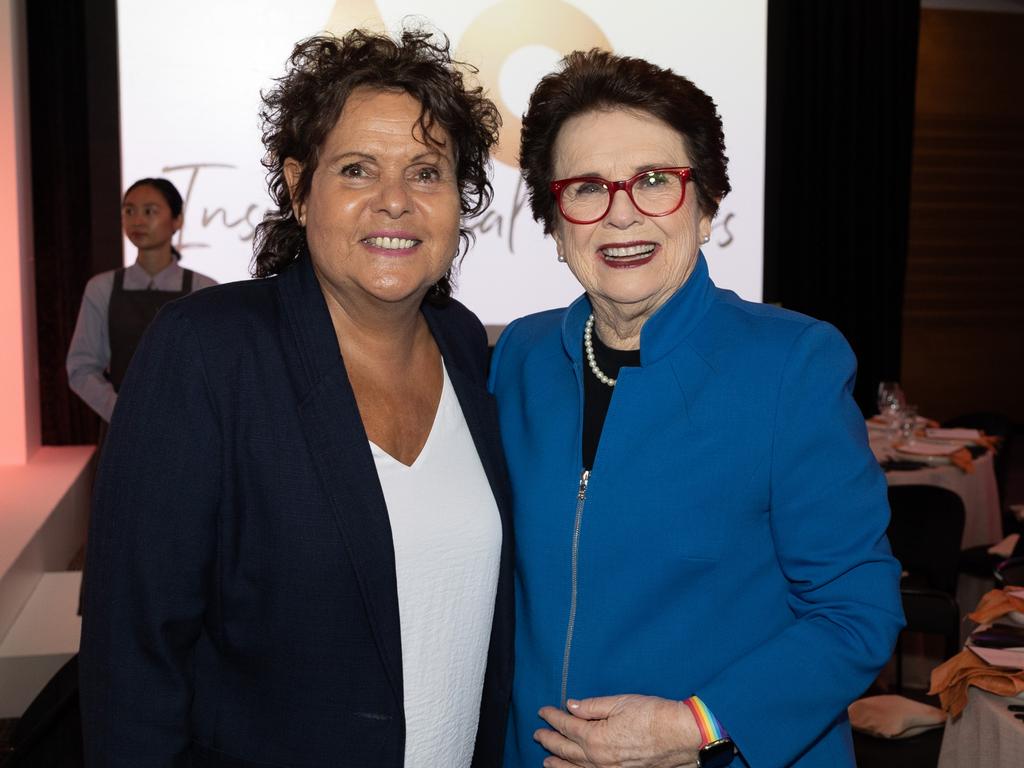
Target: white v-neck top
[(447, 537)]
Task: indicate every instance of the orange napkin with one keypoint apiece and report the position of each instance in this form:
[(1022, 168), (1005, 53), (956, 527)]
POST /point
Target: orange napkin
[(989, 441), (996, 603), (951, 679), (963, 460)]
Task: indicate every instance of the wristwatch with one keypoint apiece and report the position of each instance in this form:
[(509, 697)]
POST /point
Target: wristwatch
[(716, 754), (717, 749)]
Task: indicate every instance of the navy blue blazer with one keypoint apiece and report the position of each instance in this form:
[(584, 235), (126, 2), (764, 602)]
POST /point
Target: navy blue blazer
[(241, 605)]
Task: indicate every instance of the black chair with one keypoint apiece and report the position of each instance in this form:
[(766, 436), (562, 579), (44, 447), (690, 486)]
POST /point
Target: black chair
[(921, 751), (925, 531), (929, 612), (1010, 573), (976, 561)]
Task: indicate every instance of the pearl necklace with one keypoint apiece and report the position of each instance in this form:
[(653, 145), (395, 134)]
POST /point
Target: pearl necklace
[(588, 348)]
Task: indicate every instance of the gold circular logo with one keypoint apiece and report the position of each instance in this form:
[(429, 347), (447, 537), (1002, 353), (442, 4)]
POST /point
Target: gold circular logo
[(491, 38)]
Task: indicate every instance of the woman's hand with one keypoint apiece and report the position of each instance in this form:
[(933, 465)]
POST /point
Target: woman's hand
[(627, 731)]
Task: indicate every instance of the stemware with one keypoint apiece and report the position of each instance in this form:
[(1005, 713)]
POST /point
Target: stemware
[(891, 400)]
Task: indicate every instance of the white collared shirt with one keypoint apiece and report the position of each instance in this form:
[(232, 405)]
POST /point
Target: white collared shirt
[(89, 352)]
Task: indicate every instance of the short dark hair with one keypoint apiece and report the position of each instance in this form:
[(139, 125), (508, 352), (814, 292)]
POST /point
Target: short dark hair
[(600, 80), (300, 111), (167, 190)]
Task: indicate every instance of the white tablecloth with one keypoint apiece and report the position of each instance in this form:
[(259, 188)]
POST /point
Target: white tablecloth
[(986, 735), (982, 519)]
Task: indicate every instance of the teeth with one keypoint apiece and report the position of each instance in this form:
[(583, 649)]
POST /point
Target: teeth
[(630, 250), (390, 242)]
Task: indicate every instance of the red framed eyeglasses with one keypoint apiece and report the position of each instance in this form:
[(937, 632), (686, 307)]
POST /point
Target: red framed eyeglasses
[(656, 192)]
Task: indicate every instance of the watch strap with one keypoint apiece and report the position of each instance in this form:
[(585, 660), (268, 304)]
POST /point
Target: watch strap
[(710, 729)]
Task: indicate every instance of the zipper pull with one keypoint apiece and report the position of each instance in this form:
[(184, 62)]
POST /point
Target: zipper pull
[(584, 479)]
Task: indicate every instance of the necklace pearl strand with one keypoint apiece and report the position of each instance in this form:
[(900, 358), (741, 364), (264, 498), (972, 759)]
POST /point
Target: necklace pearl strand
[(588, 348)]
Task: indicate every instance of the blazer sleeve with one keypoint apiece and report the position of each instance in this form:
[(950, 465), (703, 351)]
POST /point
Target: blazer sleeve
[(829, 513), (150, 558)]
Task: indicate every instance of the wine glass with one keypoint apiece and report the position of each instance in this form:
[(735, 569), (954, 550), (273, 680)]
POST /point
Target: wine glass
[(908, 422), (891, 400)]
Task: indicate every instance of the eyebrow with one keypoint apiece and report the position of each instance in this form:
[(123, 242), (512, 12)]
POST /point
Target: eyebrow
[(427, 155), (637, 170)]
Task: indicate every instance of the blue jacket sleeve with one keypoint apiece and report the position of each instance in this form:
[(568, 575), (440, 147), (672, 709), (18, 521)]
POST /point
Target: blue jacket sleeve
[(829, 514), (150, 562)]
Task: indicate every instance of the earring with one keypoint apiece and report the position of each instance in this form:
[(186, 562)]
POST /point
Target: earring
[(561, 258), (707, 239)]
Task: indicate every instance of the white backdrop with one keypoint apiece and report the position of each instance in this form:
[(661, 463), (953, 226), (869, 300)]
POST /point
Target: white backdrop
[(191, 72)]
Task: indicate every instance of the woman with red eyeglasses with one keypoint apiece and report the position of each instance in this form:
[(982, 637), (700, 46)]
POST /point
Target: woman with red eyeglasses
[(702, 570)]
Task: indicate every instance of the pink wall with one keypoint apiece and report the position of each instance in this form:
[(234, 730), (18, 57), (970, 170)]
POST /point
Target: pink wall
[(19, 369)]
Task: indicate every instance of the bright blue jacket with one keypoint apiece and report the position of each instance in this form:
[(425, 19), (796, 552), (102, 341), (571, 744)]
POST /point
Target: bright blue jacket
[(731, 541)]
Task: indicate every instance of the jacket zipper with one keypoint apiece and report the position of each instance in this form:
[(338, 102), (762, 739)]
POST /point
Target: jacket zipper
[(581, 499)]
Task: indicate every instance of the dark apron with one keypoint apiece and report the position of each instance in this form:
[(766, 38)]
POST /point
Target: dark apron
[(128, 317)]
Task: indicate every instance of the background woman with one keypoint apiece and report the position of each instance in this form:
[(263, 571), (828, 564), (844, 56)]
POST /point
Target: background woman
[(701, 555), (299, 542), (119, 305)]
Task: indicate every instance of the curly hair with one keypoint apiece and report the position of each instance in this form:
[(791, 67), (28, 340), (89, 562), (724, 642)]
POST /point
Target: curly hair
[(600, 80), (305, 104)]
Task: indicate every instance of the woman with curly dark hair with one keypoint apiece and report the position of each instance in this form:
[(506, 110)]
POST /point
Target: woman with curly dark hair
[(702, 570), (300, 552)]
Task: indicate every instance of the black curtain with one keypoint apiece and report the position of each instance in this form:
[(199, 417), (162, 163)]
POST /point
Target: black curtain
[(76, 180), (840, 115)]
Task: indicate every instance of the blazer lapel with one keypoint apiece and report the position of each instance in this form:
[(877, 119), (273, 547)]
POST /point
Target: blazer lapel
[(341, 453)]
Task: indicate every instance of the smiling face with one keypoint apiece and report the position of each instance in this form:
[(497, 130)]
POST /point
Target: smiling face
[(382, 213), (147, 219), (628, 263)]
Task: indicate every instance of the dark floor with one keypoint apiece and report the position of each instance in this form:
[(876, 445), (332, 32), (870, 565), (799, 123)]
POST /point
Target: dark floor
[(6, 732)]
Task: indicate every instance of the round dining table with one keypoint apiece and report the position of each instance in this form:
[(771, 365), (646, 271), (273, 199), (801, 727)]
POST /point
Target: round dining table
[(985, 735), (983, 522)]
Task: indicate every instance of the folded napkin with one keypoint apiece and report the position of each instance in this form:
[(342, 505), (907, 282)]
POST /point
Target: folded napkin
[(996, 603), (991, 442), (951, 679), (953, 433), (963, 460), (973, 435), (894, 717), (1004, 548)]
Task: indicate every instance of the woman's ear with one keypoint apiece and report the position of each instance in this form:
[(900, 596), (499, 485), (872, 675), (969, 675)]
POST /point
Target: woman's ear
[(292, 174), (556, 235), (706, 222)]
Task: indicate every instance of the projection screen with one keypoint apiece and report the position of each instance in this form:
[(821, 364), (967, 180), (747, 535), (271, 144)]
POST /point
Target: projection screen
[(191, 72)]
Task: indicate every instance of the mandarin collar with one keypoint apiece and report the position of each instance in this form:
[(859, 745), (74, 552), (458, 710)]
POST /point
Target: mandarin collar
[(669, 326), (173, 268)]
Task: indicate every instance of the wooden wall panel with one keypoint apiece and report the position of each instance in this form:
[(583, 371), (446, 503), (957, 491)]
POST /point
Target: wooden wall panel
[(963, 311)]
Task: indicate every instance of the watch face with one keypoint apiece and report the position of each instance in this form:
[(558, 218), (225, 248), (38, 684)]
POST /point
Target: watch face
[(717, 754)]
